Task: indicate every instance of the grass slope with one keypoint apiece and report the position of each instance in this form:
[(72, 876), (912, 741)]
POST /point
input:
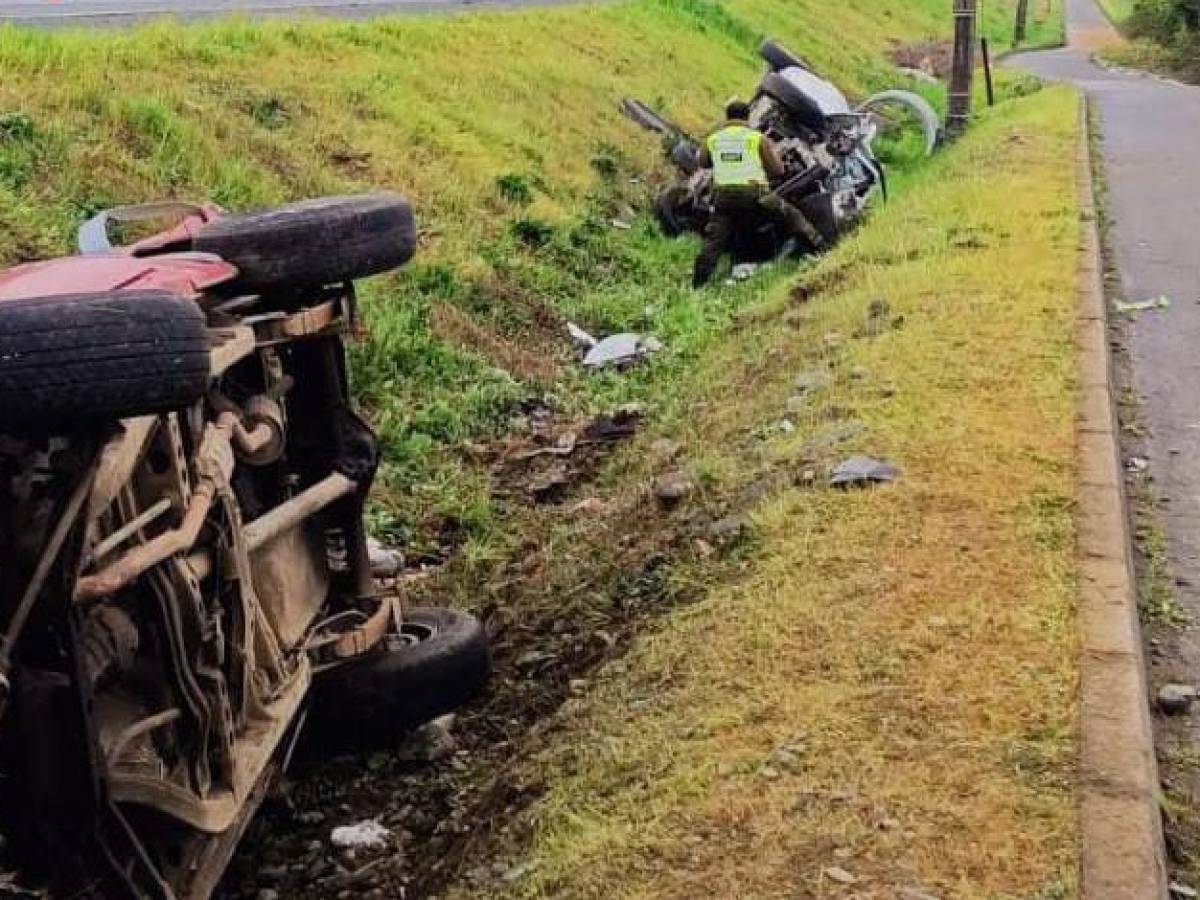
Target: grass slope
[(504, 129), (890, 688)]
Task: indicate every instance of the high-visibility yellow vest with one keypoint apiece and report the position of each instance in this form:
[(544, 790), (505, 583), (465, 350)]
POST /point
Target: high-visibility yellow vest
[(736, 152)]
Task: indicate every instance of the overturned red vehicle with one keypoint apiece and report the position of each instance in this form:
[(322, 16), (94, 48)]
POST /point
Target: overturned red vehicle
[(185, 582)]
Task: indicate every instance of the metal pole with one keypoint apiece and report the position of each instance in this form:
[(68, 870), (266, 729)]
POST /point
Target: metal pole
[(963, 70), (987, 72), (1019, 31)]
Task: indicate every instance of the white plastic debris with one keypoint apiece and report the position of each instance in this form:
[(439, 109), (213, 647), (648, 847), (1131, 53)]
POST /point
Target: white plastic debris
[(860, 471), (365, 835), (743, 271), (621, 350), (1143, 305), (581, 337)]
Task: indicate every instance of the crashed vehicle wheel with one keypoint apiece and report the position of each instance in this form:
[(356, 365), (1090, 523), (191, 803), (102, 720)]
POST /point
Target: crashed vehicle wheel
[(438, 661), (88, 357), (315, 242), (779, 57)]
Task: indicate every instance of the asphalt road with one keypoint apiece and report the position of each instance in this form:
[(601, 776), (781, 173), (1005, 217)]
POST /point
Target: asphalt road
[(1150, 129), (86, 13)]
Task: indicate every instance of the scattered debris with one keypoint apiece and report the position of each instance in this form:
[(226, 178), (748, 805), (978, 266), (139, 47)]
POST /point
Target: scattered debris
[(1137, 464), (840, 875), (743, 272), (1176, 699), (432, 742), (368, 834), (581, 337), (862, 471), (1142, 305), (673, 488), (386, 562), (621, 350)]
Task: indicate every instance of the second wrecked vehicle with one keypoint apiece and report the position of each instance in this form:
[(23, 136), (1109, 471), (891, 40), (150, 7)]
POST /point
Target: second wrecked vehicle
[(184, 572), (825, 144)]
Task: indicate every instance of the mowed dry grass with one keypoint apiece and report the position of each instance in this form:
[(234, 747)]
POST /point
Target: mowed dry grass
[(890, 688)]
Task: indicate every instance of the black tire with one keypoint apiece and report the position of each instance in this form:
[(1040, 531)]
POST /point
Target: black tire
[(315, 242), (83, 358), (779, 57), (373, 700)]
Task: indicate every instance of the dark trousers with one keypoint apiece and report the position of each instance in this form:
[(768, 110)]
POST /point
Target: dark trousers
[(733, 212)]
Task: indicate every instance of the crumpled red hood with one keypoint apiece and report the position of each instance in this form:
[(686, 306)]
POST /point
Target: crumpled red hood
[(185, 274)]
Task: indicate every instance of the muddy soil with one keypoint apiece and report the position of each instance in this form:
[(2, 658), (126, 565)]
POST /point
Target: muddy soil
[(551, 622)]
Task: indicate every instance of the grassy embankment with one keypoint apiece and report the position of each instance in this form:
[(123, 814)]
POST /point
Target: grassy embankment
[(910, 650), (504, 130), (890, 689)]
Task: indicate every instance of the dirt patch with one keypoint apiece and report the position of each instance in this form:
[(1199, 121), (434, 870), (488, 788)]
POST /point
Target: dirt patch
[(931, 57), (590, 571)]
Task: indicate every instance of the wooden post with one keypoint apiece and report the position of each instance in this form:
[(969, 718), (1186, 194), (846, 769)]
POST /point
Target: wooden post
[(962, 72), (987, 72), (1019, 31)]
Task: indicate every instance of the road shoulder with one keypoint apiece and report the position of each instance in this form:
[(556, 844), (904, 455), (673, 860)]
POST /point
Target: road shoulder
[(1123, 855)]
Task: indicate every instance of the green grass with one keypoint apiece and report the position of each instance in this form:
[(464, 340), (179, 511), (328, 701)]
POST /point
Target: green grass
[(1118, 10), (504, 130), (889, 686)]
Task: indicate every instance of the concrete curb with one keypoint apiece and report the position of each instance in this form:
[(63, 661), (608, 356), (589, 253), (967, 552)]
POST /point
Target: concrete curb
[(1120, 820)]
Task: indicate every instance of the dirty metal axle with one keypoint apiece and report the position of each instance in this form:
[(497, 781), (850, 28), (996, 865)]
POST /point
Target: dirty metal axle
[(217, 468)]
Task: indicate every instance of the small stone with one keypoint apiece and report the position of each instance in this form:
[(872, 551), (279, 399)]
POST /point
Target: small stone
[(674, 488), (889, 824), (724, 769), (432, 742), (785, 426), (840, 875), (577, 685), (1175, 699), (704, 549)]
